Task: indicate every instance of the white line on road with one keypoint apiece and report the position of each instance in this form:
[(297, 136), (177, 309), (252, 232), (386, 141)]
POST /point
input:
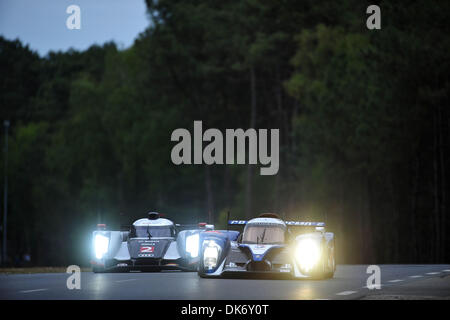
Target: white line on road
[(431, 273), (34, 290), (396, 280), (345, 293), (416, 276), (126, 280), (446, 270)]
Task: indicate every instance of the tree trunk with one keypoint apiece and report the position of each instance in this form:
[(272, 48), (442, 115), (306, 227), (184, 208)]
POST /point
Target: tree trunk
[(209, 195), (436, 210), (226, 187), (284, 123), (368, 220), (249, 186), (442, 187), (394, 225), (415, 187)]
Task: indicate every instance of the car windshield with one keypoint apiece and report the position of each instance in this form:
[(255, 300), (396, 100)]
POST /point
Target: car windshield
[(152, 231), (263, 234)]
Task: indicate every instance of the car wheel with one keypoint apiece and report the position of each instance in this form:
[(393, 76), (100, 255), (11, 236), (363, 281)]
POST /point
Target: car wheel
[(200, 273), (321, 273), (332, 263)]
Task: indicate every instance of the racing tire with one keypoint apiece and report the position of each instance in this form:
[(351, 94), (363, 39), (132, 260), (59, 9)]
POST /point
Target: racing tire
[(330, 274), (200, 273), (319, 275), (322, 274)]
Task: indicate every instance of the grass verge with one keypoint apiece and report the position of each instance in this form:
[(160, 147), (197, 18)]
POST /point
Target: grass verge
[(37, 270)]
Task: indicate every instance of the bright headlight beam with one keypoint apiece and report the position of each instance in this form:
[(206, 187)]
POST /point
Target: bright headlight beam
[(307, 254), (211, 252), (192, 243), (211, 255), (101, 244)]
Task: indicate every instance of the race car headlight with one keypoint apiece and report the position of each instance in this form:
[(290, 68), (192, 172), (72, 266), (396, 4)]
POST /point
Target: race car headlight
[(211, 254), (192, 243), (101, 244), (307, 254)]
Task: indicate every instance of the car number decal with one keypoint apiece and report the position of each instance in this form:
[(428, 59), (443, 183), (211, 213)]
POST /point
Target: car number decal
[(147, 249)]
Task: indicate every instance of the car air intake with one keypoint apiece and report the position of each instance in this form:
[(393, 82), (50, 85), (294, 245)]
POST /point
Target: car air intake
[(259, 266)]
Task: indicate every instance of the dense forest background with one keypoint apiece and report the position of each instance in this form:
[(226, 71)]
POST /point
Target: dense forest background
[(363, 116)]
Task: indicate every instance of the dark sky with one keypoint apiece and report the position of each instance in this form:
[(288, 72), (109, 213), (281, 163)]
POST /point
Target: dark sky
[(42, 23)]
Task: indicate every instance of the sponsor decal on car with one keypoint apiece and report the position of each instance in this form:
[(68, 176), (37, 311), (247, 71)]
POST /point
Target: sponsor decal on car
[(146, 252), (147, 249)]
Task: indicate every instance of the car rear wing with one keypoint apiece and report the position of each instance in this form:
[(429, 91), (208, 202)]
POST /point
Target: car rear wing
[(237, 222), (305, 223), (305, 226), (288, 223), (200, 225)]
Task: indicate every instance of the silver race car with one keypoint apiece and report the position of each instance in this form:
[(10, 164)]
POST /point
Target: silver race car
[(269, 246), (151, 244)]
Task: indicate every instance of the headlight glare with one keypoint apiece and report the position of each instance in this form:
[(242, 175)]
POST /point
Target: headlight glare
[(307, 254), (101, 244), (192, 243), (211, 254)]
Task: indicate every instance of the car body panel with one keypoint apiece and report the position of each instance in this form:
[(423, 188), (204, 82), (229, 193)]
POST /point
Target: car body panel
[(237, 258), (126, 251)]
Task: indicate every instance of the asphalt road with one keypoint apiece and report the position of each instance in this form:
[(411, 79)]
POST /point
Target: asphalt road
[(398, 282)]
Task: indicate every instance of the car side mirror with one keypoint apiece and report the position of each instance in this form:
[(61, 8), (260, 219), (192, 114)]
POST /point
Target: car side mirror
[(239, 239)]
